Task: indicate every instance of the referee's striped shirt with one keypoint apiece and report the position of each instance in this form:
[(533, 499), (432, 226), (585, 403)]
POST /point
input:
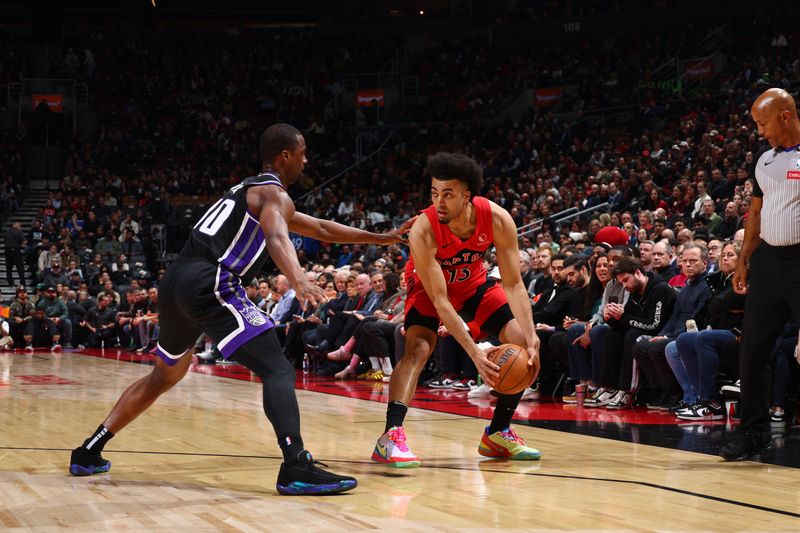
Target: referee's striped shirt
[(778, 184)]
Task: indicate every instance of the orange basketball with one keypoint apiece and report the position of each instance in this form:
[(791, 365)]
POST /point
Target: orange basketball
[(515, 374)]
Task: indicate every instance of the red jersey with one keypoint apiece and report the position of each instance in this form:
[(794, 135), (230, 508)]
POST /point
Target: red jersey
[(461, 260)]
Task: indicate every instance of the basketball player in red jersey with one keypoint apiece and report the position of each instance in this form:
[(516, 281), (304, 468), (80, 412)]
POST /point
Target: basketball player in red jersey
[(448, 284)]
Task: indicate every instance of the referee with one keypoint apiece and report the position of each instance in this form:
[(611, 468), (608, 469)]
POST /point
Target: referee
[(772, 249)]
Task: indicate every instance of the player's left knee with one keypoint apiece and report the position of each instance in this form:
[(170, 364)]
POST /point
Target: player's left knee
[(161, 382), (512, 333), (164, 377)]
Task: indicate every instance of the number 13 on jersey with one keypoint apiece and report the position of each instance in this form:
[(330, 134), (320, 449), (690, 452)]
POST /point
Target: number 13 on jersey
[(457, 275)]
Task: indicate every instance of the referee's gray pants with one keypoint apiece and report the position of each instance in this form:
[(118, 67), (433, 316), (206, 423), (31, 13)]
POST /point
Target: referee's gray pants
[(773, 297)]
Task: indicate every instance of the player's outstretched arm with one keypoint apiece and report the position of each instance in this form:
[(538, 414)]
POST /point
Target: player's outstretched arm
[(274, 208), (423, 252), (507, 251), (330, 231)]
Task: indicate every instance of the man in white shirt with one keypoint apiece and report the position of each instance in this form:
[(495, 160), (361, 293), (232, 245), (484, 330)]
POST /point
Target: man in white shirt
[(280, 314)]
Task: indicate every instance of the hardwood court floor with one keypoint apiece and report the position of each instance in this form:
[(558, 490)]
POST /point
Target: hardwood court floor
[(204, 458)]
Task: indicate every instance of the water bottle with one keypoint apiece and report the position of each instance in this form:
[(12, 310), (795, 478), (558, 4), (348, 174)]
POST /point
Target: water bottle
[(305, 363), (691, 325), (580, 393)]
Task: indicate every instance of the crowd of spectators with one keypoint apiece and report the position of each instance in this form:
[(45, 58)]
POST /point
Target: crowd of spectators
[(58, 315), (179, 125)]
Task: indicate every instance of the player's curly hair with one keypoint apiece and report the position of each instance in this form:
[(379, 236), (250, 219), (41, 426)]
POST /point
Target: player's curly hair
[(276, 139), (450, 166)]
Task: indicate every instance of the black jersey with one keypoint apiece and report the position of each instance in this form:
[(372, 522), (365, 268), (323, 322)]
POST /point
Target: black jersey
[(230, 235)]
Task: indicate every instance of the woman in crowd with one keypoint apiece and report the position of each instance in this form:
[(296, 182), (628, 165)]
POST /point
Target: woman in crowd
[(654, 201), (374, 337), (580, 362), (695, 356)]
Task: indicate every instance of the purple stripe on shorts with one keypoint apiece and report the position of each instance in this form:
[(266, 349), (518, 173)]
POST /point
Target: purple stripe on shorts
[(254, 321), (164, 357)]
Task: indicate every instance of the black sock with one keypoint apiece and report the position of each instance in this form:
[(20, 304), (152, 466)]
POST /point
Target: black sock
[(395, 414), (504, 411), (291, 446), (98, 440)]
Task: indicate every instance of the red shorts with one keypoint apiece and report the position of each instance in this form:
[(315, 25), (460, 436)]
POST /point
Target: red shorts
[(486, 312)]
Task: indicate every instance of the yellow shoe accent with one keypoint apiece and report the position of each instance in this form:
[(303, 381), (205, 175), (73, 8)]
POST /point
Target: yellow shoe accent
[(508, 445), (377, 376), (367, 374)]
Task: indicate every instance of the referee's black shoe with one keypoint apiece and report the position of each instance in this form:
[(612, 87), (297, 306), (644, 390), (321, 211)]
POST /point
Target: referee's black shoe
[(746, 445)]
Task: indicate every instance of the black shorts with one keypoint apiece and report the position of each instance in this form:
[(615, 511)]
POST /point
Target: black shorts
[(196, 297)]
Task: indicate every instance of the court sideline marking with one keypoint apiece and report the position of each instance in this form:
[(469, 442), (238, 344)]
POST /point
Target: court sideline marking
[(445, 467)]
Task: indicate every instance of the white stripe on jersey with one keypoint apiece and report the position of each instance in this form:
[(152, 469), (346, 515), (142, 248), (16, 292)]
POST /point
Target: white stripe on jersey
[(267, 182), (260, 248), (234, 240)]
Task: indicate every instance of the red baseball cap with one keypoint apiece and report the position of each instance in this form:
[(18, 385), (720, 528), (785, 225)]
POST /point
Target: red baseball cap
[(611, 235)]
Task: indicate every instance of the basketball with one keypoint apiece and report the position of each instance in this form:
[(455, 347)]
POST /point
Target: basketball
[(515, 374)]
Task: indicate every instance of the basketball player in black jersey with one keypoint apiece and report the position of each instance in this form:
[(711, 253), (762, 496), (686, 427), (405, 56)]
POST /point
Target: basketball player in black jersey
[(203, 291)]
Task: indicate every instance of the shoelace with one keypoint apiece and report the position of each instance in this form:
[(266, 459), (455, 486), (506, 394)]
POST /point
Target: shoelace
[(510, 436), (398, 436), (312, 465)]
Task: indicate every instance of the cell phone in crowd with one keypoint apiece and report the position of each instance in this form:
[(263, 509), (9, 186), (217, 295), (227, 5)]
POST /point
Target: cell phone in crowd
[(613, 299), (736, 331), (303, 312)]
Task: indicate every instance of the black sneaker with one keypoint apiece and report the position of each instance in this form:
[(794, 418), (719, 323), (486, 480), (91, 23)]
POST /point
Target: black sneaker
[(744, 446), (703, 411), (777, 415), (304, 477), (445, 381), (677, 405), (732, 390), (85, 463)]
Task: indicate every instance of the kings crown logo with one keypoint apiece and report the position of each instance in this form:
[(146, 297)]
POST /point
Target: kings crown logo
[(253, 315)]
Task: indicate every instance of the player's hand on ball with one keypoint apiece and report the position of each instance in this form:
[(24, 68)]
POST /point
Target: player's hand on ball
[(533, 358), (488, 370), (533, 353)]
